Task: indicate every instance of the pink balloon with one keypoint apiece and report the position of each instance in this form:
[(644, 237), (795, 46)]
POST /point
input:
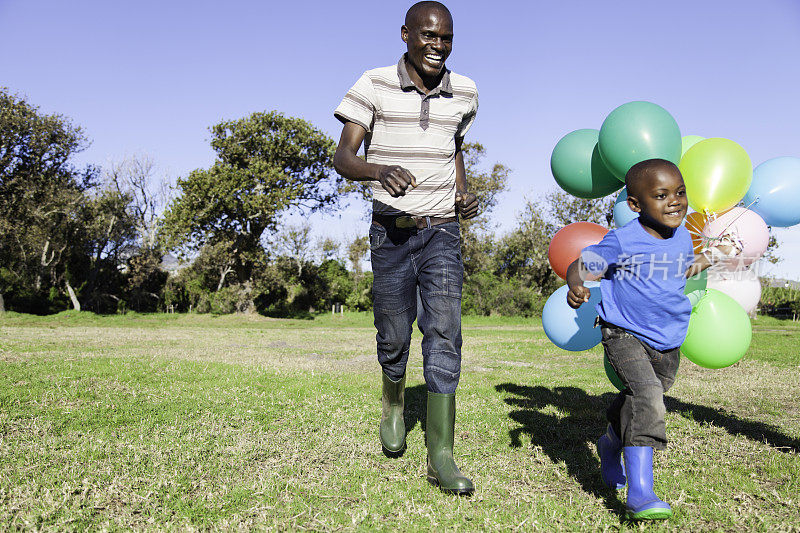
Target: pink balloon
[(742, 285), (745, 225)]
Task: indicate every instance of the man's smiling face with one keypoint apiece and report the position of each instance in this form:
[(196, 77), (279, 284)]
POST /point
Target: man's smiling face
[(429, 36)]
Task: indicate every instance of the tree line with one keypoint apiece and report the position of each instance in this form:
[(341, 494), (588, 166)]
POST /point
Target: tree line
[(96, 238)]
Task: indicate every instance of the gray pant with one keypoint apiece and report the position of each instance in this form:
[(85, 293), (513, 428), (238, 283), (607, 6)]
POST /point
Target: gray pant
[(637, 413)]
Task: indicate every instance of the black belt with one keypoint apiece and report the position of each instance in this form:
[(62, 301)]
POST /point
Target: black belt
[(409, 222)]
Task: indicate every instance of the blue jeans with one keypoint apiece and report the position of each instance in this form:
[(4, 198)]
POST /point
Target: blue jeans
[(637, 413), (428, 260)]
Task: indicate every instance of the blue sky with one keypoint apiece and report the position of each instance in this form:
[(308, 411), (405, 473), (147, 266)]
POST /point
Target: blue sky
[(150, 77)]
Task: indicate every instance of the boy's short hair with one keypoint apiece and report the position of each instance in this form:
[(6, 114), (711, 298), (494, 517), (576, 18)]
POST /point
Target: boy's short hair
[(640, 170)]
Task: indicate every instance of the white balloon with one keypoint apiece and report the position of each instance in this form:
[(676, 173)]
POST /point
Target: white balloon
[(743, 286)]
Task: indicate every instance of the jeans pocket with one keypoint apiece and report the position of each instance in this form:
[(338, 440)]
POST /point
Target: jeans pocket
[(377, 236)]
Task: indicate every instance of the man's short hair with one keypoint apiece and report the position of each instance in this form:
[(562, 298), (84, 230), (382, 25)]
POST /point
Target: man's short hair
[(641, 170), (414, 10)]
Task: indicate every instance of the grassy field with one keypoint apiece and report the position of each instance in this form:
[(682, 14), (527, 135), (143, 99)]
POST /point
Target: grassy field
[(239, 422)]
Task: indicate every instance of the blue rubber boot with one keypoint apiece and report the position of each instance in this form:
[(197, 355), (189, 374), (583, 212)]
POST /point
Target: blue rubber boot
[(612, 469), (642, 504)]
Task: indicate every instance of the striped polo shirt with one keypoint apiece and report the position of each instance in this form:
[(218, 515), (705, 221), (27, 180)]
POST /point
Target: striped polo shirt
[(415, 130)]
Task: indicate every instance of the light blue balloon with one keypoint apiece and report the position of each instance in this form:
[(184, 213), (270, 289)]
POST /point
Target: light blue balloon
[(775, 191), (623, 213), (568, 328)]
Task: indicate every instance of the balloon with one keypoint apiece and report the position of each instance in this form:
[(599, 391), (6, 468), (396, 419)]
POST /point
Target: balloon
[(568, 242), (717, 173), (623, 213), (637, 131), (719, 331), (611, 374), (568, 328), (698, 282), (695, 222), (578, 169), (775, 191), (689, 141), (743, 286), (747, 226)]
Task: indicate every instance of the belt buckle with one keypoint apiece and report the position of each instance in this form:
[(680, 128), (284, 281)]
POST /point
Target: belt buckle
[(405, 222)]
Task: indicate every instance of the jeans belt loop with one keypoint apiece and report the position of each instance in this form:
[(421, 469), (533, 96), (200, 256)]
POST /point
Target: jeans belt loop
[(428, 222)]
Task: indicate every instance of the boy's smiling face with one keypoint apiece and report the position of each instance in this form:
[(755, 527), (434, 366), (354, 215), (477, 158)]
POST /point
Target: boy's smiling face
[(659, 196)]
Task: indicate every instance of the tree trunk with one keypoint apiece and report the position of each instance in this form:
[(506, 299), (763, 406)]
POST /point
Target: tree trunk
[(2, 304), (222, 275), (75, 303)]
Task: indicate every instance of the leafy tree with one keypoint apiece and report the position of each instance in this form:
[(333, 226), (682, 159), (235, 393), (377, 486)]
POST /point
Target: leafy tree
[(476, 234), (266, 164), (41, 198), (563, 209)]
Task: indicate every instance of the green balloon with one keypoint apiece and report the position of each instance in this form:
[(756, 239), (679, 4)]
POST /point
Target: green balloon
[(717, 173), (719, 331), (637, 131), (577, 166), (689, 141), (696, 283), (612, 375)]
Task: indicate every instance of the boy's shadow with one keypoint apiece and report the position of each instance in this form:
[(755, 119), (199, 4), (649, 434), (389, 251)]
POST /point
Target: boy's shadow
[(569, 436)]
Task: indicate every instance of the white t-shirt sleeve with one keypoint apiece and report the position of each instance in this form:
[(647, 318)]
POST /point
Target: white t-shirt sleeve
[(359, 104), (468, 118)]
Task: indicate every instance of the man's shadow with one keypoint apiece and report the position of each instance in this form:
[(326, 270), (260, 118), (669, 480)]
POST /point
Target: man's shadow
[(569, 436), (416, 407)]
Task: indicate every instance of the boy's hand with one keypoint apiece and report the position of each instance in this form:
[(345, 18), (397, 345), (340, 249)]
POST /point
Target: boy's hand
[(466, 204), (577, 296), (395, 179)]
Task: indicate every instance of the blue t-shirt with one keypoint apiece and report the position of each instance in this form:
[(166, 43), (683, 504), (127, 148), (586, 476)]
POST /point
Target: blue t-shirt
[(643, 285)]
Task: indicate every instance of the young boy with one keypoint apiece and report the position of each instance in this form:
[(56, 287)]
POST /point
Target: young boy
[(644, 317)]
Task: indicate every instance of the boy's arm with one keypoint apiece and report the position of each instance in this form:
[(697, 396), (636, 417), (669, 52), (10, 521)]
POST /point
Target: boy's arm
[(710, 256), (394, 178), (578, 294)]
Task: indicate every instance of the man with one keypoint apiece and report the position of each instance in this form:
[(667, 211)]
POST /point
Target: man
[(412, 118)]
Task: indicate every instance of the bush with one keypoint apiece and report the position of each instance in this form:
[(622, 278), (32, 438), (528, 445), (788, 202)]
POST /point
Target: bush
[(486, 294)]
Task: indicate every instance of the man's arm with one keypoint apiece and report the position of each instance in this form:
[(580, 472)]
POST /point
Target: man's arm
[(395, 179), (466, 202)]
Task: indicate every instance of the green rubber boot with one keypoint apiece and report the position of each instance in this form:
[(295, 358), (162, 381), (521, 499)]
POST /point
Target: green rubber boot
[(393, 428), (440, 426)]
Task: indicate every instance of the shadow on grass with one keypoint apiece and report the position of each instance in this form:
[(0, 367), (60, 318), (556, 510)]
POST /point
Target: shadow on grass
[(567, 437), (416, 407), (752, 429), (570, 435)]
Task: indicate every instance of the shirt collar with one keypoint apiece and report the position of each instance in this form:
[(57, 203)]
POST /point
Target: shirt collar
[(406, 83)]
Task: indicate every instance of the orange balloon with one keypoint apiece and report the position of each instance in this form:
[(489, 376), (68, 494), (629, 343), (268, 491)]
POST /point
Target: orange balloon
[(695, 222), (568, 242)]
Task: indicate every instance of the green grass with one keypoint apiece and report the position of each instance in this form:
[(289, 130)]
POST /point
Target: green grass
[(237, 422)]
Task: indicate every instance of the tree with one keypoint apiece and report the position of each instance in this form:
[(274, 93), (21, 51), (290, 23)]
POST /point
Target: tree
[(295, 242), (42, 200), (476, 234), (266, 164), (134, 178), (563, 209), (522, 254)]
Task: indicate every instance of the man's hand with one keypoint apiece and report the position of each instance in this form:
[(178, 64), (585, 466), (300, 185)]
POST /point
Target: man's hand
[(577, 295), (466, 205), (395, 179)]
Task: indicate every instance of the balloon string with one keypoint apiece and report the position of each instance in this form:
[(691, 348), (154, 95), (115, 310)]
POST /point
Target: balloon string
[(739, 215)]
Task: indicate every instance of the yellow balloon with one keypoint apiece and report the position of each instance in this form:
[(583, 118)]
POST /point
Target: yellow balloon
[(717, 173)]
